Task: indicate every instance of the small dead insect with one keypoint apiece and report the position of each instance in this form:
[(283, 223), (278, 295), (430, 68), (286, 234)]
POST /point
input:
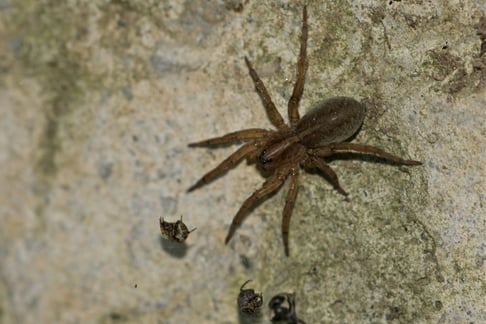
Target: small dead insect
[(249, 302), (284, 313), (176, 232), (303, 143)]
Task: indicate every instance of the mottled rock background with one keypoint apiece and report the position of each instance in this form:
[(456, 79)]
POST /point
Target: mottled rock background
[(98, 100)]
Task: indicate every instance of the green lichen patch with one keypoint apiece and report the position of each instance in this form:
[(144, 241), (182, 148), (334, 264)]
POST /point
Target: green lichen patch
[(51, 55)]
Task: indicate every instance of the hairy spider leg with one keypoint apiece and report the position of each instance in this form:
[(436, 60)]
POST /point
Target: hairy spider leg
[(328, 172), (330, 149), (289, 206), (293, 105), (271, 185), (270, 108), (241, 135), (230, 161)]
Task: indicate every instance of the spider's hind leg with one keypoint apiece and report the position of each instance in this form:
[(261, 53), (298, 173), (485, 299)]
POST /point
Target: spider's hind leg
[(361, 148), (328, 172)]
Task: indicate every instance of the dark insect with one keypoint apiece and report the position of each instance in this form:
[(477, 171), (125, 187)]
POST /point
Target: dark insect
[(176, 232), (283, 307), (303, 143), (249, 302)]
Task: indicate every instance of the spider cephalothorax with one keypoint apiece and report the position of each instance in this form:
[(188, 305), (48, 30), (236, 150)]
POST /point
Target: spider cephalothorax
[(303, 143)]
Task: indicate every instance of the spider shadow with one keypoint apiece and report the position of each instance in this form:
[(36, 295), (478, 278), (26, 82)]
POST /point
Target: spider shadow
[(175, 249)]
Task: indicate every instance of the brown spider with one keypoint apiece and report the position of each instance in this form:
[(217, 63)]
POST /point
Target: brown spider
[(280, 153)]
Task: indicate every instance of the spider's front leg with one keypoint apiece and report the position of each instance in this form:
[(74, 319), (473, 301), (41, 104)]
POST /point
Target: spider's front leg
[(233, 159), (270, 108), (293, 105), (241, 135), (270, 186)]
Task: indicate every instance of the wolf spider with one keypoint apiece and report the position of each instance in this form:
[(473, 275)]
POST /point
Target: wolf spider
[(303, 143)]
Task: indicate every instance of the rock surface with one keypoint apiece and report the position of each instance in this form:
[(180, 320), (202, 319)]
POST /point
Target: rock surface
[(98, 100)]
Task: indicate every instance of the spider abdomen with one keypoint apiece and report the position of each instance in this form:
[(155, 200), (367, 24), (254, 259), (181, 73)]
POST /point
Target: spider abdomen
[(332, 120)]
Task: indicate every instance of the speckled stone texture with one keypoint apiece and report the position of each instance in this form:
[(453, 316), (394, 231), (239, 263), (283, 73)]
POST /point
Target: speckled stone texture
[(98, 100)]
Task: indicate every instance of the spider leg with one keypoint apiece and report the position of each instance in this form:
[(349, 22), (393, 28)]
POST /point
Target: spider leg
[(272, 111), (270, 186), (361, 148), (328, 172), (245, 134), (293, 105), (289, 205), (230, 161)]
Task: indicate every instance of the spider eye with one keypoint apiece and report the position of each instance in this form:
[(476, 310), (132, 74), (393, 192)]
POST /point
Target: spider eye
[(262, 158)]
